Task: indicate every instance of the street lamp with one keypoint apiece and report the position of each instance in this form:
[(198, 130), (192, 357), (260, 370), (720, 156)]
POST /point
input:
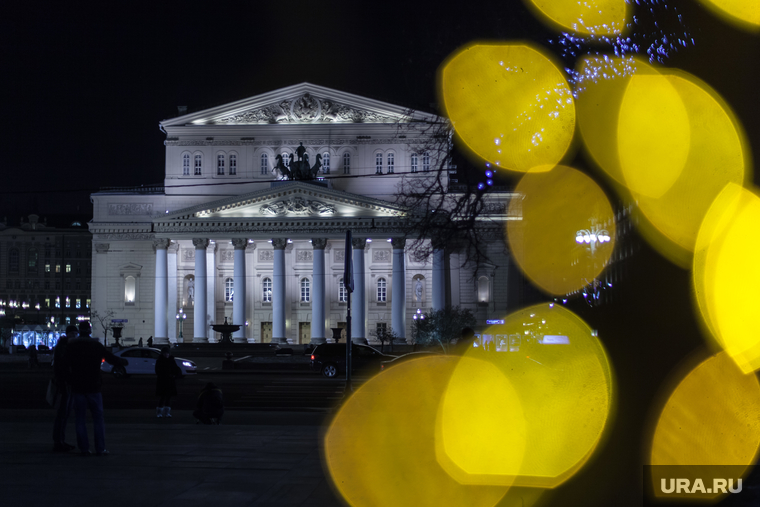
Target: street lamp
[(591, 237), (181, 316), (419, 315)]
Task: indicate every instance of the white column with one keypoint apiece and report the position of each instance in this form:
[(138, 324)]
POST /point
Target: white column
[(160, 324), (278, 291), (238, 284), (199, 307), (359, 297), (173, 307), (250, 294), (398, 295), (439, 280), (99, 298), (318, 294), (210, 288)]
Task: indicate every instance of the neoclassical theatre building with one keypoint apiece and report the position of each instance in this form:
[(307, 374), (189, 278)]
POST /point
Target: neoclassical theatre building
[(251, 220)]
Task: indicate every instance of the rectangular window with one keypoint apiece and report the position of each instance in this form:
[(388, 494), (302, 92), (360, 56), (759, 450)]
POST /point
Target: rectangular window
[(326, 163), (57, 302), (198, 165), (57, 268), (233, 165), (78, 285), (342, 292), (78, 303), (47, 302), (305, 290), (57, 285), (379, 163), (87, 303), (346, 163), (414, 163), (68, 302), (186, 165), (47, 284), (266, 290), (381, 328), (47, 268), (391, 162), (264, 164), (220, 165), (68, 268), (426, 162), (381, 290)]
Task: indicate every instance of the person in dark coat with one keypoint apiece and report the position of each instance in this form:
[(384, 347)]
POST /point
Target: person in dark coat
[(166, 387), (150, 341), (61, 374), (210, 407), (84, 356), (139, 343)]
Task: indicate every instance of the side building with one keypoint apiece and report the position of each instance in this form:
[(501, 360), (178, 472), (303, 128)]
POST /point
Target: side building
[(250, 222)]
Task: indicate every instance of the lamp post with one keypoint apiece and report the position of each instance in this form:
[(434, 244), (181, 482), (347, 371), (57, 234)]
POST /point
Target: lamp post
[(592, 237), (181, 316)]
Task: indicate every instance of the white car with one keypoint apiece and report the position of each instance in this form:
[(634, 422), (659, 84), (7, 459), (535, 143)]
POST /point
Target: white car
[(142, 360)]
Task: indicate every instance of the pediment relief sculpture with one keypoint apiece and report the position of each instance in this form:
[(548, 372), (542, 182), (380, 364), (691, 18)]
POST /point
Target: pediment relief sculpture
[(297, 206)]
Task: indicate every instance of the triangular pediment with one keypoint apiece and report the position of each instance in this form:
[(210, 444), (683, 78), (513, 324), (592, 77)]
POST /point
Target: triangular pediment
[(304, 103), (290, 200)]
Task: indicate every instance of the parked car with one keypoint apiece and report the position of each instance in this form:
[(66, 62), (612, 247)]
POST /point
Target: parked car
[(142, 360), (384, 365), (330, 359)]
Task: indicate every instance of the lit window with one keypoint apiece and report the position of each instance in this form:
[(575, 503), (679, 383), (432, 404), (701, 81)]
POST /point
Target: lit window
[(198, 164), (78, 303), (266, 290), (414, 163), (483, 292), (381, 290), (378, 163), (47, 302), (68, 302), (233, 165), (68, 268), (13, 260), (186, 164), (57, 268), (47, 268), (391, 162), (264, 164), (425, 162), (342, 292), (305, 290), (326, 163), (130, 287), (220, 164), (346, 163), (229, 290), (87, 303)]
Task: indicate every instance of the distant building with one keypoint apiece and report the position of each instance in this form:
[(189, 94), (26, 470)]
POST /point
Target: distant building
[(45, 280), (249, 225)]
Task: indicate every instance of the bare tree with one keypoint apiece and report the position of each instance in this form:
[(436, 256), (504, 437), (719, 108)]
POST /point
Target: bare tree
[(103, 321)]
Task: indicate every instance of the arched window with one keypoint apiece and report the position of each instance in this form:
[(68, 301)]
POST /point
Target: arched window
[(229, 290), (186, 164), (346, 163), (483, 290), (378, 163), (266, 290), (414, 163), (305, 292), (198, 164), (31, 256), (220, 164), (233, 165), (129, 290), (425, 162), (264, 164), (326, 163), (391, 162), (381, 290), (13, 260), (342, 292)]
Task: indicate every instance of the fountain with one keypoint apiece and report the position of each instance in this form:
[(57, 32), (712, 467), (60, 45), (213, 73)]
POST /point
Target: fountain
[(226, 330)]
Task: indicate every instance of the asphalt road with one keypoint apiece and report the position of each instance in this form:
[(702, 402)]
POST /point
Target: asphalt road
[(25, 389)]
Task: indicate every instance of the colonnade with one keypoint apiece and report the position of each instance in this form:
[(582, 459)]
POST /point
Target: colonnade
[(358, 302)]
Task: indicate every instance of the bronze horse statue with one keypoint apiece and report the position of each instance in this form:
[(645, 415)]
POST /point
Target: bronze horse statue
[(298, 169)]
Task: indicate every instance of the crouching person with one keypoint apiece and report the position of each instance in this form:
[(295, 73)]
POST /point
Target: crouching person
[(210, 407)]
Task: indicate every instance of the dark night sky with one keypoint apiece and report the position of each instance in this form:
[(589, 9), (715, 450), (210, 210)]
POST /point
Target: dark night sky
[(86, 84)]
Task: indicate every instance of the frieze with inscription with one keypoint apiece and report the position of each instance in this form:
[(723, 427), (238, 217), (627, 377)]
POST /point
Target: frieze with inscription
[(125, 236), (131, 209)]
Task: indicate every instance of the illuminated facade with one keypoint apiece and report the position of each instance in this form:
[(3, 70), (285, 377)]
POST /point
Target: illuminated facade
[(44, 276), (227, 236)]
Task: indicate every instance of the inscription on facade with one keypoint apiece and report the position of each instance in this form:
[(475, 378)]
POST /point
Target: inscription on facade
[(131, 209), (266, 255)]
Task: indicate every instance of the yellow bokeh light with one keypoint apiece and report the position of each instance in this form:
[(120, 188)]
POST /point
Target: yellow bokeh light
[(380, 447), (563, 380), (726, 274), (481, 430), (711, 419), (509, 103), (557, 205), (591, 17), (743, 13)]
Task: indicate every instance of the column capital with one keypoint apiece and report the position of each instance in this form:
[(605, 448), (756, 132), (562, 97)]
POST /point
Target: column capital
[(200, 243), (102, 247), (358, 243), (398, 243), (279, 243), (212, 247), (161, 243), (319, 243), (239, 243), (173, 247), (250, 247)]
